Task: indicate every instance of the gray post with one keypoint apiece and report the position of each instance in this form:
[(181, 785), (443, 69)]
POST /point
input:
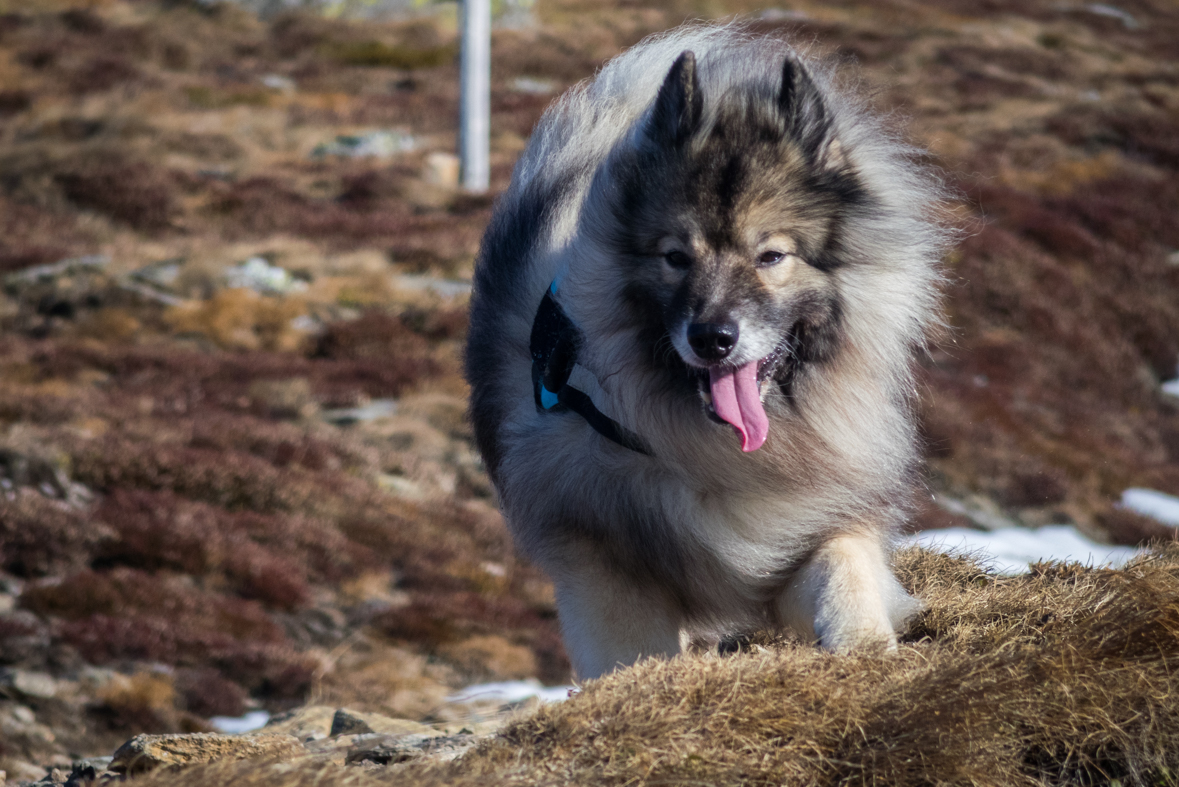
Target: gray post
[(475, 85)]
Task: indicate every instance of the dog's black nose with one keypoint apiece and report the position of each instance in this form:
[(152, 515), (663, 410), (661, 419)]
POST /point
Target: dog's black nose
[(712, 341)]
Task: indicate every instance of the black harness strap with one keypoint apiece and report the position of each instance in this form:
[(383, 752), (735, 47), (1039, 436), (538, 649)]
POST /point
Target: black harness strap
[(554, 344)]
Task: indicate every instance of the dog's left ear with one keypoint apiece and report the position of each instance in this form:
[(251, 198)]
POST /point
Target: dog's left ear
[(679, 105), (806, 117)]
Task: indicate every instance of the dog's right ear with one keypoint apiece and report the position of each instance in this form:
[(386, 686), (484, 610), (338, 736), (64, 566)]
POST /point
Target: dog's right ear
[(679, 105), (806, 117)]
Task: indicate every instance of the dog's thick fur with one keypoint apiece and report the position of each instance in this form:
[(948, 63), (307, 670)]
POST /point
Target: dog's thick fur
[(710, 178)]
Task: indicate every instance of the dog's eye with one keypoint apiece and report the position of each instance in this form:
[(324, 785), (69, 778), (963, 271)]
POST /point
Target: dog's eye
[(768, 258), (677, 259)]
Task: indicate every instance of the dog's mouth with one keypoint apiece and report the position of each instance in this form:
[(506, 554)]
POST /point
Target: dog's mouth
[(735, 395)]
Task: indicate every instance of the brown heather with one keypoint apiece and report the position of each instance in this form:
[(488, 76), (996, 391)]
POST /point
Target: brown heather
[(264, 554)]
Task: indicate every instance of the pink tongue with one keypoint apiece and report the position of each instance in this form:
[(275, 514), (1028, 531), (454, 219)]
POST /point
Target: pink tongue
[(736, 399)]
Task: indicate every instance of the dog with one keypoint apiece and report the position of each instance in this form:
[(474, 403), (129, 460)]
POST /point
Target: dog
[(693, 323)]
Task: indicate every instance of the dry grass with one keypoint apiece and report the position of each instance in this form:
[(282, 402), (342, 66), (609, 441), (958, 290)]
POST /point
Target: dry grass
[(143, 129), (1065, 676)]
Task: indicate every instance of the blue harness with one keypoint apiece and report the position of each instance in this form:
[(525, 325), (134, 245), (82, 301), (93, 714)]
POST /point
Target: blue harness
[(554, 344)]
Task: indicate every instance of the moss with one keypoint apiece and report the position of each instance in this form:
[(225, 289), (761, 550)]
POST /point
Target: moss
[(205, 97)]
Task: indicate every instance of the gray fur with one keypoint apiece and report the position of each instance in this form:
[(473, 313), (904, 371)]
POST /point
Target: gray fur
[(706, 156)]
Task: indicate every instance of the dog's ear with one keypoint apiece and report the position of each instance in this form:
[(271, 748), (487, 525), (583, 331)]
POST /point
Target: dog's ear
[(678, 107), (806, 117)]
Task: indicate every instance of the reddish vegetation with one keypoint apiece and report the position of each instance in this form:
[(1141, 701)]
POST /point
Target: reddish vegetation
[(239, 537)]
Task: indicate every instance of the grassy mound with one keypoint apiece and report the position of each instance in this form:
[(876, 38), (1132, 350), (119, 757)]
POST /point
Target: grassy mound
[(1062, 676)]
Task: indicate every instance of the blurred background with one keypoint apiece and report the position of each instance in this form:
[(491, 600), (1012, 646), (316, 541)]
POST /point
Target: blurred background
[(236, 472)]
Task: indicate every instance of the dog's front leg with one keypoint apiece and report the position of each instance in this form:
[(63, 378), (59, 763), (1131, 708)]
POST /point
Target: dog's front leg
[(846, 596), (610, 621)]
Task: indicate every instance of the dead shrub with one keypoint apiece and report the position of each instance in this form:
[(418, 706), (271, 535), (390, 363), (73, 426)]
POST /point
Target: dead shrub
[(42, 56), (82, 20), (39, 536), (130, 593), (13, 102), (263, 206), (434, 618), (367, 190), (102, 73), (206, 693), (377, 53), (1149, 136), (297, 32), (240, 319), (1035, 487), (375, 334), (1127, 527), (155, 531), (436, 324), (134, 193), (143, 702)]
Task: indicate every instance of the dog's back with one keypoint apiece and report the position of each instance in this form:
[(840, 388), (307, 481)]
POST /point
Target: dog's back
[(687, 530)]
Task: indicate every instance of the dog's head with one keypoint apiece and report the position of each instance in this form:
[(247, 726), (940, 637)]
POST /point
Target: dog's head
[(726, 216)]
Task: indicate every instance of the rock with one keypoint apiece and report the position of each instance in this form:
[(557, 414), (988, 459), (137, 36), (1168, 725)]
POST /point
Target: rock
[(52, 778), (349, 722), (148, 752), (20, 771), (345, 723), (39, 274), (163, 274), (26, 638), (290, 398), (89, 770), (22, 469), (441, 169), (310, 723), (394, 749), (26, 683)]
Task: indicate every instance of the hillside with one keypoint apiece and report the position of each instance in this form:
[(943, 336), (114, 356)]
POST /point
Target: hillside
[(235, 463)]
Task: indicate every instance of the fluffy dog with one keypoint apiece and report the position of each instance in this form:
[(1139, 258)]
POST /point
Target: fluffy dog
[(693, 323)]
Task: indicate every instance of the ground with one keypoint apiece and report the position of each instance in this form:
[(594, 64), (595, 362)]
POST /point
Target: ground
[(219, 498)]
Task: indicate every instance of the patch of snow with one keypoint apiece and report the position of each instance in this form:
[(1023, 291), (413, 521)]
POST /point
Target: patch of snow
[(782, 15), (447, 288), (1104, 9), (279, 82), (539, 87), (255, 719), (377, 408), (1157, 505), (507, 692), (1171, 387), (370, 144), (260, 276), (1011, 549)]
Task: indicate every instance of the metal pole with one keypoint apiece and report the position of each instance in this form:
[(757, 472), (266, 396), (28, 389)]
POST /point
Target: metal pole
[(475, 85)]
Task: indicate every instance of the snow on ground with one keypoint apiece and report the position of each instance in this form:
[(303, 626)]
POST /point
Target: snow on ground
[(255, 719), (1009, 550), (511, 691), (1164, 508)]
